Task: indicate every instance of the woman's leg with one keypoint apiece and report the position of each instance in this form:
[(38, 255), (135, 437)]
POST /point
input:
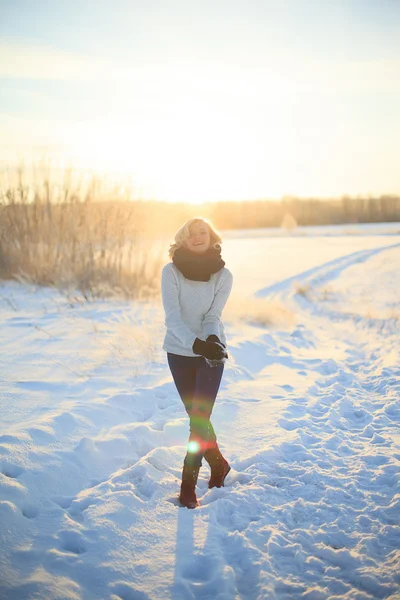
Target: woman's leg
[(202, 435), (183, 370), (197, 384), (207, 385)]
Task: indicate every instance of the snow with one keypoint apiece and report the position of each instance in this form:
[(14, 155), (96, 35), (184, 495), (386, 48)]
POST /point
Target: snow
[(93, 435)]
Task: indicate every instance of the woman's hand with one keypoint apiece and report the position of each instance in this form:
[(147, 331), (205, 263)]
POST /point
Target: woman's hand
[(215, 338), (211, 350)]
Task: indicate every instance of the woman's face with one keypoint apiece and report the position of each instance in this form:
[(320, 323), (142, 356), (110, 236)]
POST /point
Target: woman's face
[(199, 240)]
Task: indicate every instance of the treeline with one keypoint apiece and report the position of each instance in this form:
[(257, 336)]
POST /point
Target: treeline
[(73, 188), (264, 213), (127, 218), (287, 212)]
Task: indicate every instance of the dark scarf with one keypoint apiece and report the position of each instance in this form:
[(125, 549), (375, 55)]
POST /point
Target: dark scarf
[(198, 267)]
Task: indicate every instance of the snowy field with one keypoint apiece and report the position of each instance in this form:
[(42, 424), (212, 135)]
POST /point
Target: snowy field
[(92, 438)]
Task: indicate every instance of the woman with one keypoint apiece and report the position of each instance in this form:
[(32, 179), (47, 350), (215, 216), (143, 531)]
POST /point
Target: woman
[(195, 287)]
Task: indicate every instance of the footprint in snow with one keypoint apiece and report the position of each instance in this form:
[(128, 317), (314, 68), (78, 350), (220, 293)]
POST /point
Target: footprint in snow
[(145, 487), (126, 591), (65, 423), (296, 411), (72, 541), (78, 506), (42, 435), (201, 569), (165, 400), (249, 399), (290, 425), (63, 501), (308, 439), (10, 470), (158, 425), (175, 500), (30, 511), (287, 387), (86, 446), (9, 439)]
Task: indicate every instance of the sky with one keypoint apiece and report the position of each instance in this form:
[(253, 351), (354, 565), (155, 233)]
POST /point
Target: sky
[(211, 100)]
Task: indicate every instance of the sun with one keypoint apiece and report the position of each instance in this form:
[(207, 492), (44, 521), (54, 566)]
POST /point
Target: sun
[(198, 154)]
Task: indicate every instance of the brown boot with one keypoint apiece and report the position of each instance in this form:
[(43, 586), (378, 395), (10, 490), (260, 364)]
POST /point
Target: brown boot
[(187, 496), (219, 467)]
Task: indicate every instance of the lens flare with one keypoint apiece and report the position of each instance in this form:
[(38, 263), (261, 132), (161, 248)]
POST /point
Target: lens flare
[(193, 447)]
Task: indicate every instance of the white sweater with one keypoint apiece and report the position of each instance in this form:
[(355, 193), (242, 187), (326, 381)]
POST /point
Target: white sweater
[(193, 308)]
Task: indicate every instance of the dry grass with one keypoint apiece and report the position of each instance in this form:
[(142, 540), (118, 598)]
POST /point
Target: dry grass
[(302, 289), (326, 293), (71, 238), (258, 311)]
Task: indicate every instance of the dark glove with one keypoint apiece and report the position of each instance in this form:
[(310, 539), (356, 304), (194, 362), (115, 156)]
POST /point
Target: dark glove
[(210, 350), (215, 338)]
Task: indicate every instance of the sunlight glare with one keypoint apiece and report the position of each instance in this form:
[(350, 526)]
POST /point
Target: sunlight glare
[(193, 447), (190, 149)]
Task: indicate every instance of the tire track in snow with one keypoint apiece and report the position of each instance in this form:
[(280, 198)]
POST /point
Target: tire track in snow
[(323, 273)]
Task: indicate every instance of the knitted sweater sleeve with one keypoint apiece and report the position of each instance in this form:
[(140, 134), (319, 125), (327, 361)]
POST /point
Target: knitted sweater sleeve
[(212, 318), (173, 317)]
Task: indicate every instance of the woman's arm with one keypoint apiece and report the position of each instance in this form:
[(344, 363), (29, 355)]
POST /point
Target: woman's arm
[(173, 317), (212, 318)]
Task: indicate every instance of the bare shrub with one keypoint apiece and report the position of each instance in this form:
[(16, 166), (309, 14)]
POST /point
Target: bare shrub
[(327, 293), (302, 289), (71, 237)]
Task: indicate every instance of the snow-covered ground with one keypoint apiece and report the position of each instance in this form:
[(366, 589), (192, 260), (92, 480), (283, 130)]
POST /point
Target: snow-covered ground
[(93, 435)]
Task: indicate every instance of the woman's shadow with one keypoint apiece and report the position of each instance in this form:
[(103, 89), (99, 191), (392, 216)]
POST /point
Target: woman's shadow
[(212, 566), (195, 570)]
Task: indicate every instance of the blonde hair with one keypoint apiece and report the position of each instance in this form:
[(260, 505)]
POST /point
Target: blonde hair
[(184, 233)]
